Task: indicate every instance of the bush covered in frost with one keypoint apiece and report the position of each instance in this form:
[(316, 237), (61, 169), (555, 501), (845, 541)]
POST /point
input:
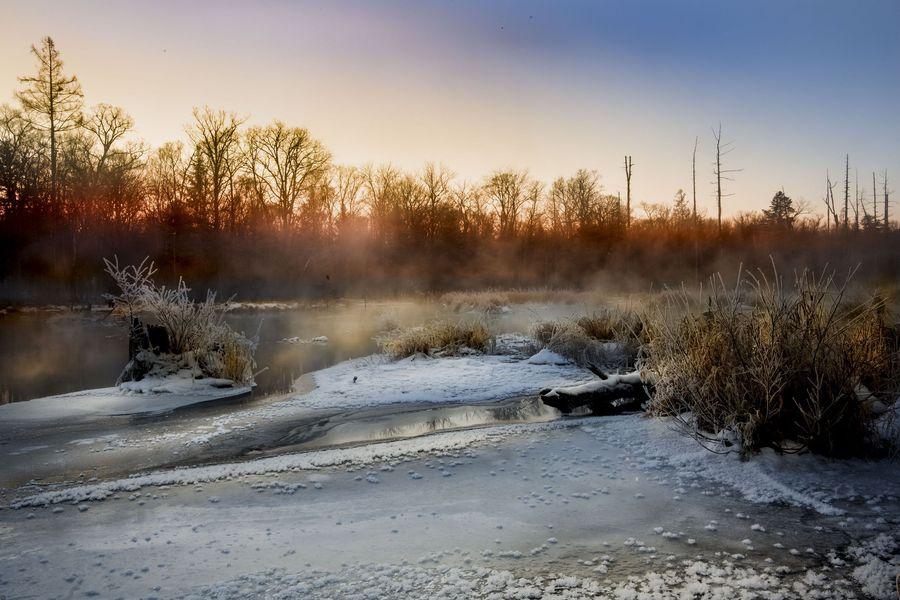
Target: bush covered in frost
[(196, 330)]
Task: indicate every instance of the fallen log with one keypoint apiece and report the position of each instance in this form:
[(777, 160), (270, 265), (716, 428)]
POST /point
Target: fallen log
[(608, 395)]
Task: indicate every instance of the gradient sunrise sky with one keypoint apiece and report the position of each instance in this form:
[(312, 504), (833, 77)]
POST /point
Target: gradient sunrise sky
[(548, 86)]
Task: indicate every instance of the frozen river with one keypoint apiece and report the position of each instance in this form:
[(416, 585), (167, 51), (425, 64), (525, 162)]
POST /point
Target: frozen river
[(421, 478)]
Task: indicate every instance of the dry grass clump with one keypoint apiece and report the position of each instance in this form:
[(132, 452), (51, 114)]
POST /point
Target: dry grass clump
[(792, 368), (566, 338), (438, 339), (230, 356), (609, 337), (613, 325)]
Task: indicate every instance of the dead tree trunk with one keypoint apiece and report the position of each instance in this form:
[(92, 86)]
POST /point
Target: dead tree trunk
[(719, 177), (608, 395), (694, 176), (628, 169), (722, 148), (829, 201), (847, 193), (874, 201)]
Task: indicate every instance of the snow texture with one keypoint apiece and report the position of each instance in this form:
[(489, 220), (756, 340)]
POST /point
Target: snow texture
[(598, 384), (150, 395), (806, 480), (318, 459), (688, 579), (376, 380), (548, 357)]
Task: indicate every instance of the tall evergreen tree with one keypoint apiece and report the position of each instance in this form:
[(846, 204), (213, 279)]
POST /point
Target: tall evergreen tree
[(781, 211)]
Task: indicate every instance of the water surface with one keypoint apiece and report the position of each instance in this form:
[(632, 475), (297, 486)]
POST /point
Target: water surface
[(48, 353)]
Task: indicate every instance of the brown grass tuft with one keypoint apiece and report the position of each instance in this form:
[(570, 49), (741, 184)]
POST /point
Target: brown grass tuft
[(438, 339), (795, 367)]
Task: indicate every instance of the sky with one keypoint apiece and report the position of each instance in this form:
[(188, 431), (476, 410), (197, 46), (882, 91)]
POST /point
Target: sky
[(550, 86)]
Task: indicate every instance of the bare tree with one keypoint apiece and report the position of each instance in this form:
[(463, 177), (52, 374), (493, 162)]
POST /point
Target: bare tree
[(411, 208), (52, 101), (629, 165), (287, 160), (831, 214), (436, 180), (473, 207), (556, 211), (217, 152), (533, 217), (875, 200), (167, 173), (694, 177), (348, 182), (109, 124), (20, 158), (116, 166), (381, 188), (316, 215), (847, 193), (507, 192), (721, 174)]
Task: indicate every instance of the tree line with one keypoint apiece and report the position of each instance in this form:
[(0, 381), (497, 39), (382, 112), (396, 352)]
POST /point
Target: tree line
[(266, 209)]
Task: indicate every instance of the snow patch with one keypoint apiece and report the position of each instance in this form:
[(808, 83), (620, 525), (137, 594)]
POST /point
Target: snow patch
[(597, 385), (548, 357), (879, 566), (150, 395), (807, 480), (376, 380)]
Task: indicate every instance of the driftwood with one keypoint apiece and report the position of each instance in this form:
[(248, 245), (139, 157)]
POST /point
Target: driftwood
[(609, 395)]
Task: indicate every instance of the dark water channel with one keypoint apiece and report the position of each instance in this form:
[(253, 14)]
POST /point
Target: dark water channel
[(48, 353)]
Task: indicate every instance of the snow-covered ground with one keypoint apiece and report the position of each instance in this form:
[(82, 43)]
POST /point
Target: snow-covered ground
[(375, 380), (620, 507), (150, 395)]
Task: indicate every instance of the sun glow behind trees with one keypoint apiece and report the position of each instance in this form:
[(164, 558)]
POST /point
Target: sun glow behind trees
[(76, 185)]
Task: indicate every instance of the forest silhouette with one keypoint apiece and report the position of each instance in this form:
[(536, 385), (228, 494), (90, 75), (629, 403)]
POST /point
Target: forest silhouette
[(264, 212)]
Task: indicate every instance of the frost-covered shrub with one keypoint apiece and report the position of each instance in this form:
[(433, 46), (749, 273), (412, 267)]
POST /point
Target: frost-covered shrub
[(438, 339), (791, 367), (194, 329)]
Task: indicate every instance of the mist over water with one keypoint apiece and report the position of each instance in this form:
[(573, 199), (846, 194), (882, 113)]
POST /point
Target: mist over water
[(44, 354)]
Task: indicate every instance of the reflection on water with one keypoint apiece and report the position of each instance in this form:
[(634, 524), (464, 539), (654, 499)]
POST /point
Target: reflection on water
[(397, 423), (42, 354), (46, 354)]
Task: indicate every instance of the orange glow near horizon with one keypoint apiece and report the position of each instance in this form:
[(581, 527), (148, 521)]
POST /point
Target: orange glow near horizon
[(473, 89)]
